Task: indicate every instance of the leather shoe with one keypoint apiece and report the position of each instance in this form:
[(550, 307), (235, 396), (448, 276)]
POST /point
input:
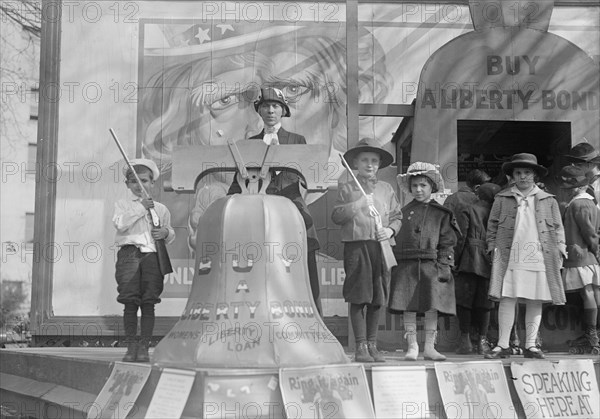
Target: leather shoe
[(483, 346), (362, 353), (374, 352), (132, 348), (538, 354), (497, 354)]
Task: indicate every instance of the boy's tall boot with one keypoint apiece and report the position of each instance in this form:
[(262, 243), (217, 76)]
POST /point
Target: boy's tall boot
[(132, 349), (142, 349), (130, 324), (147, 329)]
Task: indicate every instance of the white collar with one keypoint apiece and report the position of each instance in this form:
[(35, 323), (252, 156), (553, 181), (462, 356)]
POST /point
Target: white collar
[(517, 192), (273, 129), (582, 195)]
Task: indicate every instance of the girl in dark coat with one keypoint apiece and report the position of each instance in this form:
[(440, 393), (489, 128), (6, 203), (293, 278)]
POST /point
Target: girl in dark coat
[(422, 282)]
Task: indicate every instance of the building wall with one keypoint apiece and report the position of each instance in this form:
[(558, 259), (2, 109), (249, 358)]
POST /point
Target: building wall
[(19, 66)]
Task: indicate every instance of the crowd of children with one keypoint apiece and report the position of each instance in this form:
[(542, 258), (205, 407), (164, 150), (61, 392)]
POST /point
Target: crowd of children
[(485, 245), (510, 246)]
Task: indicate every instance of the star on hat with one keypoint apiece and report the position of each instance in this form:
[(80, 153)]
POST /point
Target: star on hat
[(178, 39)]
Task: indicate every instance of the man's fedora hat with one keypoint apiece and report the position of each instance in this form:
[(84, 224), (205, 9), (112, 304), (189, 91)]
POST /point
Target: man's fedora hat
[(583, 153), (523, 160), (271, 94), (368, 144), (572, 177)]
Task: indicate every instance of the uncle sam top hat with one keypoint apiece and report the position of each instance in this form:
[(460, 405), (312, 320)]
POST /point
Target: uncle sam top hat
[(175, 40)]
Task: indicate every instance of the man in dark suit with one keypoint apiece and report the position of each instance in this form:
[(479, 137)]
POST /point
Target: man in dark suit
[(272, 106)]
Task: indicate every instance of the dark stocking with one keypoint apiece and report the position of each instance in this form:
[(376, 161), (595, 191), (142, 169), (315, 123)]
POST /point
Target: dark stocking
[(147, 321), (130, 321), (372, 322), (357, 319), (464, 319)]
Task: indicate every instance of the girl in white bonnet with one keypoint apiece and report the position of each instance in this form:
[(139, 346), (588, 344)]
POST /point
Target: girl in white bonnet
[(422, 283)]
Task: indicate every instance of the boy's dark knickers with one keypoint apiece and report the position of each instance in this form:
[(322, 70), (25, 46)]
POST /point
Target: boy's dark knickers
[(138, 276)]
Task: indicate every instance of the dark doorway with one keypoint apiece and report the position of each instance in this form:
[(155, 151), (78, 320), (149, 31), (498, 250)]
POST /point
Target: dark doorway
[(486, 144)]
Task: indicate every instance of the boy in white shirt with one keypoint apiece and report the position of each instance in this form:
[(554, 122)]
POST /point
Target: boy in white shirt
[(138, 276)]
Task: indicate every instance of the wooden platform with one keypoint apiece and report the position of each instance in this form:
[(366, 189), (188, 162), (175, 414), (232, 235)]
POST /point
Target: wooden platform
[(63, 382)]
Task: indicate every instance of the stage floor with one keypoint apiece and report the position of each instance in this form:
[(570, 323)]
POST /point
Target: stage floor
[(62, 382), (104, 354)]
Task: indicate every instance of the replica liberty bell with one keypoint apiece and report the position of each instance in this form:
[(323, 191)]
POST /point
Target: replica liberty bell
[(250, 304)]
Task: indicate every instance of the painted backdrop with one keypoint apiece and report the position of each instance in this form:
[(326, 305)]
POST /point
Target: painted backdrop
[(165, 73)]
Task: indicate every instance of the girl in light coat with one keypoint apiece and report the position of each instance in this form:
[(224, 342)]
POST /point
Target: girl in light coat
[(527, 241)]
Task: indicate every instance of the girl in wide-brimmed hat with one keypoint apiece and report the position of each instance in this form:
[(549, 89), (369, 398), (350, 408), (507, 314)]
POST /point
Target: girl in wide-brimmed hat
[(585, 156), (581, 271), (526, 239), (366, 285), (422, 282)]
